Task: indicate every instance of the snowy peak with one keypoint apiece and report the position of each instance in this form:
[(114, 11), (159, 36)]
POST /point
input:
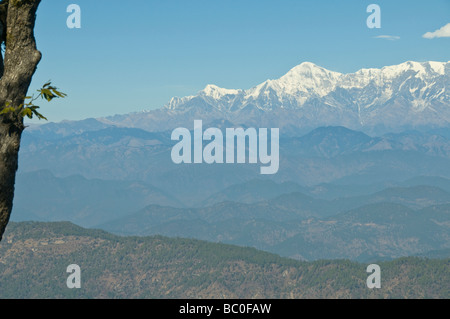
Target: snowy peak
[(308, 70), (308, 77), (422, 69), (216, 92), (437, 67)]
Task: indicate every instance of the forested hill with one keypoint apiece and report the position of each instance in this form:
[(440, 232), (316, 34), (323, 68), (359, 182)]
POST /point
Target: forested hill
[(34, 259)]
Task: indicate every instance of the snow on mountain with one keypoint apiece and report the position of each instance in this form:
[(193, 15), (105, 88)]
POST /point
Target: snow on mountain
[(216, 92), (308, 81), (406, 95)]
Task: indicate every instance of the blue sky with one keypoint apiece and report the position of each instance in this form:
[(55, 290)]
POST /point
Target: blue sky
[(135, 55)]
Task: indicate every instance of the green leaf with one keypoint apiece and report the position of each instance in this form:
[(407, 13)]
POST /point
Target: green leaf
[(60, 94), (27, 112), (47, 92), (7, 110), (39, 115)]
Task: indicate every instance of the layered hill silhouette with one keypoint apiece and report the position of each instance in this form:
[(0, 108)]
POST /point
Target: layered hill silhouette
[(34, 258), (374, 143)]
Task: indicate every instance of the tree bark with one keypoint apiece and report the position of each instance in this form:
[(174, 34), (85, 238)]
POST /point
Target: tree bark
[(19, 65)]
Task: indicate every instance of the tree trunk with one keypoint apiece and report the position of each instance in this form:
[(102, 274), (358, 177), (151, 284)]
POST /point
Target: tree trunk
[(9, 150), (20, 62)]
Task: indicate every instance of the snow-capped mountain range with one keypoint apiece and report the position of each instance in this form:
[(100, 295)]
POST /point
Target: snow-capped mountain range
[(408, 95)]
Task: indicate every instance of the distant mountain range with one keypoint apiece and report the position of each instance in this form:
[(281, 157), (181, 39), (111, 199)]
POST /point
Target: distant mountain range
[(324, 155), (411, 218), (364, 167), (41, 196), (298, 226), (376, 101)]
